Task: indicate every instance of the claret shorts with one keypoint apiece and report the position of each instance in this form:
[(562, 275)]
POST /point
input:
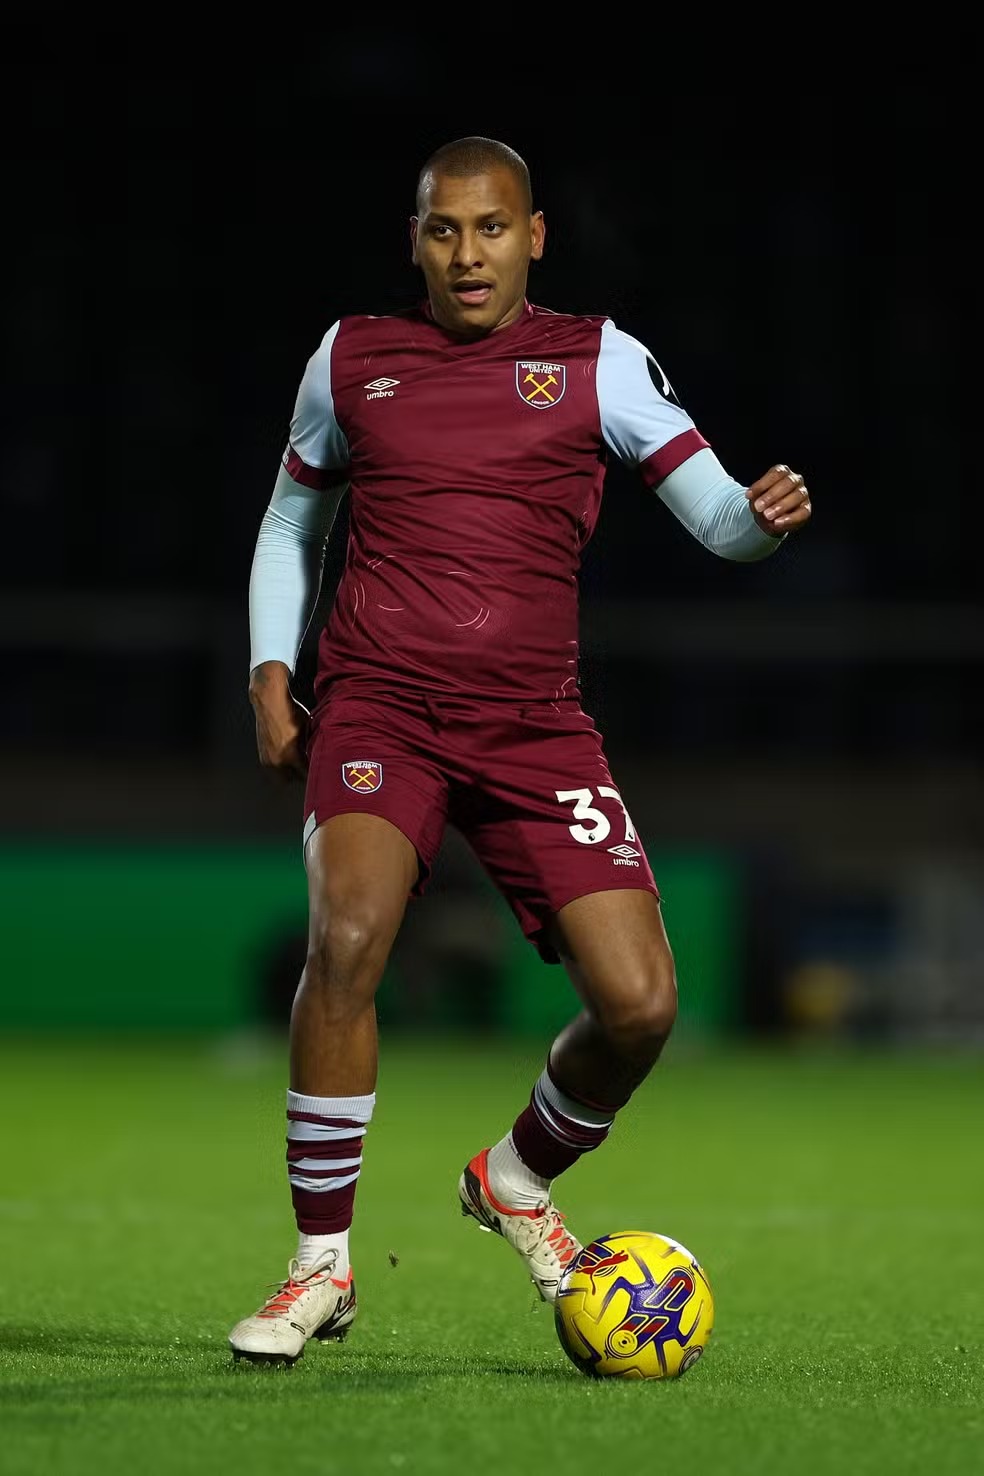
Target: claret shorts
[(527, 786)]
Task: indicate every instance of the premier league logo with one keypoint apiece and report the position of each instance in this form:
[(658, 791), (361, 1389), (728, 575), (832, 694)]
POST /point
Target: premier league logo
[(362, 775), (540, 385)]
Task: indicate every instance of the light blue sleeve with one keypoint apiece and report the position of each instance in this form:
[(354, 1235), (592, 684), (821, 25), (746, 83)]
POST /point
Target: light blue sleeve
[(317, 450), (713, 507), (639, 412), (645, 425), (285, 576)]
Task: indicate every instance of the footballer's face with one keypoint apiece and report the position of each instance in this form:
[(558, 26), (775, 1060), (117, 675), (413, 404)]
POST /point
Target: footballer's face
[(474, 239)]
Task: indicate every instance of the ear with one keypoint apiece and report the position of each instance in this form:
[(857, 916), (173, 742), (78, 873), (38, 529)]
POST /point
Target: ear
[(538, 233), (413, 239)]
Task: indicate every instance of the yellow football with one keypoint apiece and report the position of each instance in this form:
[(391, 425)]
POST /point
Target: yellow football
[(634, 1305)]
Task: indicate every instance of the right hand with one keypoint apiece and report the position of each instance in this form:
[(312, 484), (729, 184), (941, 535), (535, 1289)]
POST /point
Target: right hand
[(281, 722)]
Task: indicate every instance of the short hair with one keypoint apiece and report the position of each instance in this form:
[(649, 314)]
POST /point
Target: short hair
[(475, 155)]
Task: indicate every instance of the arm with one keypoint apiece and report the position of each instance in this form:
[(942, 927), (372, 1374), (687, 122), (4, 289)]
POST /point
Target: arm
[(715, 509), (284, 583), (645, 425), (285, 577)]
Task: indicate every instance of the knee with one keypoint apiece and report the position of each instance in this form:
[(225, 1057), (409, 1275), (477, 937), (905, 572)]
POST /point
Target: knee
[(641, 1019), (346, 944)]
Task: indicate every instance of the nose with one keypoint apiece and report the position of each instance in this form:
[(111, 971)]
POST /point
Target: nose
[(469, 252)]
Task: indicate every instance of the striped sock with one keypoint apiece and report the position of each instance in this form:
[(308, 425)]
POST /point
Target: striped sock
[(555, 1129), (324, 1156)]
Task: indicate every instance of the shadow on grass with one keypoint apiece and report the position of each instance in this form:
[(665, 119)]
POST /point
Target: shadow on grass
[(161, 1369), (398, 1370), (86, 1342)]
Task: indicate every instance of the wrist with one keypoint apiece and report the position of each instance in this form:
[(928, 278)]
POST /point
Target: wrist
[(769, 528), (269, 682)]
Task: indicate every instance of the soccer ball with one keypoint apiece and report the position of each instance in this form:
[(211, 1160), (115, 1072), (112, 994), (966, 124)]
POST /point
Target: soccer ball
[(634, 1305)]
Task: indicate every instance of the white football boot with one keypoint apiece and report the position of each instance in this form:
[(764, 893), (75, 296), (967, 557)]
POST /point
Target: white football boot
[(311, 1303), (538, 1235)]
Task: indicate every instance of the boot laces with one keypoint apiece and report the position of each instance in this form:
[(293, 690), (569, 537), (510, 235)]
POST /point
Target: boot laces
[(299, 1280), (547, 1232)]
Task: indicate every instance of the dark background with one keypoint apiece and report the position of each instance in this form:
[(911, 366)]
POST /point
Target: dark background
[(786, 221)]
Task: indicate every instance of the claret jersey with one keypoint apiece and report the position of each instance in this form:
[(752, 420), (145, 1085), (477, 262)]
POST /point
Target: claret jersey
[(475, 473)]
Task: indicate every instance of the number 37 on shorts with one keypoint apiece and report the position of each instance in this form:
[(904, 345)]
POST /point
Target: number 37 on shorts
[(592, 826)]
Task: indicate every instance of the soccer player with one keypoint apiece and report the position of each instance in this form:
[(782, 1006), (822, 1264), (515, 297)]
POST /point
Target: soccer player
[(472, 433)]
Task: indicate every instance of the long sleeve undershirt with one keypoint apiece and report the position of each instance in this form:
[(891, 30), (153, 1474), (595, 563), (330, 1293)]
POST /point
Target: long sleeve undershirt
[(285, 577), (713, 507)]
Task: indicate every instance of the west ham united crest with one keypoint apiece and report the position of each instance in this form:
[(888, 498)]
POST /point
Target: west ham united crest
[(363, 775), (540, 385)]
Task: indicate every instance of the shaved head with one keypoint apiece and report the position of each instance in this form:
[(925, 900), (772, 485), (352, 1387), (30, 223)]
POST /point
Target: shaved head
[(474, 155)]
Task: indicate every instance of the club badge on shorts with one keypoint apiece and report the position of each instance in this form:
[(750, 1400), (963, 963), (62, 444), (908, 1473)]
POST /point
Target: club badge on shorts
[(540, 385), (363, 775)]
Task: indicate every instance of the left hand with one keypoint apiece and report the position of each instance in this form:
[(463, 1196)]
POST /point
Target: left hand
[(780, 501)]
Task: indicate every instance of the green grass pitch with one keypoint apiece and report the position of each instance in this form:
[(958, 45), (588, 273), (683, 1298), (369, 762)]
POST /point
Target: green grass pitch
[(835, 1200)]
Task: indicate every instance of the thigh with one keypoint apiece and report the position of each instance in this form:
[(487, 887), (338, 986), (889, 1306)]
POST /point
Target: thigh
[(614, 947), (361, 871), (367, 758), (548, 822)]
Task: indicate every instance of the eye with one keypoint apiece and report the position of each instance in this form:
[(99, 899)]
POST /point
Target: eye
[(495, 227)]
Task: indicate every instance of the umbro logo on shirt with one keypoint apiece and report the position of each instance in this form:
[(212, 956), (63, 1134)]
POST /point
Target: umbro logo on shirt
[(380, 389)]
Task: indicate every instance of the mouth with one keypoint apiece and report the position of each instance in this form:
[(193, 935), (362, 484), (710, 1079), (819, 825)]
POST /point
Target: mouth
[(472, 292)]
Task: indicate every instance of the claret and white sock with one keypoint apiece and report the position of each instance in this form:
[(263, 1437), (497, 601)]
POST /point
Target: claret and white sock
[(548, 1137), (324, 1157)]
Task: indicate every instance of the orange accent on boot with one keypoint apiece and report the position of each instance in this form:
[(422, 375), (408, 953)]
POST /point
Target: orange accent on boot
[(284, 1300), (479, 1166), (291, 1290), (556, 1239)]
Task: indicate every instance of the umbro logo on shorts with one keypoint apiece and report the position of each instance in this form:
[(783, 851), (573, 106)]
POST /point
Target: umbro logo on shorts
[(624, 855), (362, 775)]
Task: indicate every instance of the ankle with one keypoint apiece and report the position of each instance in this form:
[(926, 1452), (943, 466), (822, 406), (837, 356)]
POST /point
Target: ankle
[(512, 1181), (312, 1249)]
